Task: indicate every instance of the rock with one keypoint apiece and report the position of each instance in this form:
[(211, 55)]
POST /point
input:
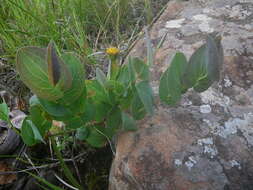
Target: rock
[(184, 148)]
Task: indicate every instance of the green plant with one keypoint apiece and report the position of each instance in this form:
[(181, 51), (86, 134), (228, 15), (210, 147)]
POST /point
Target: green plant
[(76, 25), (97, 109)]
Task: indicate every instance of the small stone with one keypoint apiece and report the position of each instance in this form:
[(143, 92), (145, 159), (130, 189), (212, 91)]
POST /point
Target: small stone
[(205, 108)]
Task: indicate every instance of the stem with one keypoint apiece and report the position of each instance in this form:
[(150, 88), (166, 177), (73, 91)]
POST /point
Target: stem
[(65, 168)]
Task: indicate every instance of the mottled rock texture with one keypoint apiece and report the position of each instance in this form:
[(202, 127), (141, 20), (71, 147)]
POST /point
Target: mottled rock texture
[(206, 142)]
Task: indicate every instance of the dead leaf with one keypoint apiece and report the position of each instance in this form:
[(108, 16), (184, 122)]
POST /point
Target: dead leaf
[(6, 178)]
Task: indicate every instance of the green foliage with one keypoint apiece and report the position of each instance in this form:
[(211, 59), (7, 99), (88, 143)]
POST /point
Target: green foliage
[(99, 108), (199, 73), (4, 112), (75, 25)]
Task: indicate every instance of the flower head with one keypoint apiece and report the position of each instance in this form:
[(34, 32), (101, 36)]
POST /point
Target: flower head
[(112, 51)]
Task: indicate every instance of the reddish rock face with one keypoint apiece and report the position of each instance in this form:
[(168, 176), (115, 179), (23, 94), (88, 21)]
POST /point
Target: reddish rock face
[(206, 142)]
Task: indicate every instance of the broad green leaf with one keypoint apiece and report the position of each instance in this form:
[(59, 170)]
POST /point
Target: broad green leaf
[(4, 111), (36, 132), (141, 70), (76, 68), (78, 106), (38, 118), (33, 71), (82, 133), (97, 137), (124, 76), (128, 123), (146, 95), (74, 122), (113, 122), (170, 87), (96, 91), (115, 91), (29, 133), (54, 109), (101, 110), (204, 66), (137, 108), (196, 68)]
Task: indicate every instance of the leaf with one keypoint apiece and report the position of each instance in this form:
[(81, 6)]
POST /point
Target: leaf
[(137, 107), (140, 69), (54, 68), (36, 132), (7, 178), (82, 133), (4, 111), (97, 137), (33, 71), (204, 66), (101, 78), (170, 87), (128, 123), (96, 91), (214, 58), (38, 118), (77, 88), (29, 133), (58, 73), (113, 122), (146, 96), (124, 76), (54, 109)]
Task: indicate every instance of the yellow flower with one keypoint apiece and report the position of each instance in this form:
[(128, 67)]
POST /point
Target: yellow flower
[(112, 51)]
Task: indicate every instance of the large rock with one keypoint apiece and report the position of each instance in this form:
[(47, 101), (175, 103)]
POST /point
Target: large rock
[(206, 142)]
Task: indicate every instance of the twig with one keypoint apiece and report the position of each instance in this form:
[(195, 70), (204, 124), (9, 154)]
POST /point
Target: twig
[(31, 169), (30, 161)]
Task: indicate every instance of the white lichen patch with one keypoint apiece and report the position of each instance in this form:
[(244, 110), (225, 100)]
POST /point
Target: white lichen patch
[(192, 160), (178, 162), (189, 165), (213, 97), (227, 82), (203, 21), (175, 23), (229, 128), (210, 150), (234, 163), (245, 126), (205, 109), (205, 27), (205, 141), (202, 17), (208, 146)]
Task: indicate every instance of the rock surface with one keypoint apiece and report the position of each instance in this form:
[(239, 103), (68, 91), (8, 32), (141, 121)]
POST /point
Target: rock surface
[(206, 142)]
